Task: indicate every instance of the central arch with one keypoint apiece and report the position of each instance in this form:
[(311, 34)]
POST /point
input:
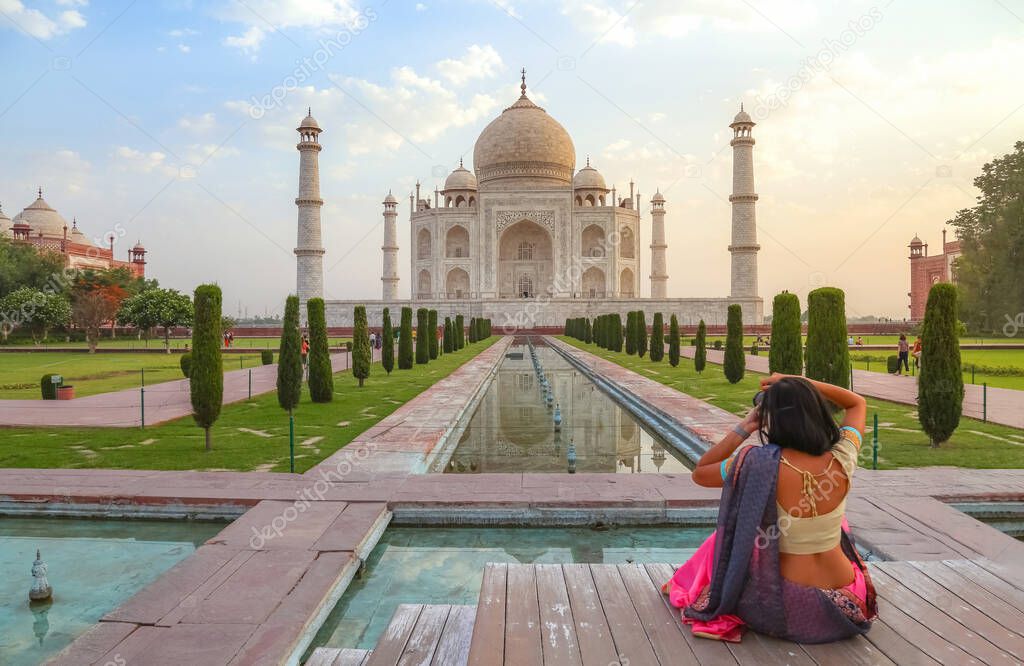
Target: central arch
[(423, 284), (626, 283), (457, 242), (593, 283), (593, 241), (525, 261), (457, 283)]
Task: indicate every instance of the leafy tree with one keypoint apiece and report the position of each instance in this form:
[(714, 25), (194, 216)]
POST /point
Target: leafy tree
[(22, 265), (94, 302), (422, 344), (700, 351), (387, 349), (460, 332), (735, 360), (828, 355), (641, 333), (432, 328), (227, 323), (990, 270), (786, 352), (940, 386), (405, 356), (673, 341), (658, 337), (206, 376), (289, 359), (37, 309), (361, 353), (158, 307), (321, 374)]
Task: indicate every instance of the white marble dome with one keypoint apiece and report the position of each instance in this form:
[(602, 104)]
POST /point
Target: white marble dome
[(589, 178), (525, 143), (42, 219), (460, 179)]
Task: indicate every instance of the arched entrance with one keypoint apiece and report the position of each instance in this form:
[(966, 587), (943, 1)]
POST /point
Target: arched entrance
[(457, 283), (423, 244), (593, 241), (626, 287), (593, 283), (525, 261), (457, 242), (423, 284)]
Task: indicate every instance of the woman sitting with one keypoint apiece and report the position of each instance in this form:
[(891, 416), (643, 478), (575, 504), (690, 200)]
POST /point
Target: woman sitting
[(781, 560)]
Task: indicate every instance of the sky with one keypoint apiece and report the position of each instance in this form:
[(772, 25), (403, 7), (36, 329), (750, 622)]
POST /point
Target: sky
[(173, 122)]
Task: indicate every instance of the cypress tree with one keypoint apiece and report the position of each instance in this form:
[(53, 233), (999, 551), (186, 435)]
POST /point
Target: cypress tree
[(700, 352), (206, 376), (361, 354), (641, 333), (658, 338), (673, 341), (422, 343), (405, 340), (448, 348), (432, 325), (940, 386), (321, 375), (289, 369), (387, 349), (735, 360), (616, 332), (588, 331), (460, 332), (828, 356), (568, 327), (786, 352), (631, 337)]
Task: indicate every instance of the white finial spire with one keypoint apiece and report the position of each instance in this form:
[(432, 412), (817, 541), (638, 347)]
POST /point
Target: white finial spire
[(522, 87)]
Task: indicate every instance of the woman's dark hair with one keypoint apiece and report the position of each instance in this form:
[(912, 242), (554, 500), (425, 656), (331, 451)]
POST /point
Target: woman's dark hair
[(795, 416)]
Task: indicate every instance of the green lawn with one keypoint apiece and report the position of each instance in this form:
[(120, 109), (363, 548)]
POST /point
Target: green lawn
[(131, 343), (984, 361), (251, 435), (96, 373), (901, 441)]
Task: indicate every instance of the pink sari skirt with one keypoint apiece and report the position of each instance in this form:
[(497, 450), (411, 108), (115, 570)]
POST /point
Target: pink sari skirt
[(692, 581)]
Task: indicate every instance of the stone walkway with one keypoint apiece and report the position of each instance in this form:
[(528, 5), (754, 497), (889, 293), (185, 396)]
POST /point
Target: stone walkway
[(1005, 406), (256, 592), (123, 409)]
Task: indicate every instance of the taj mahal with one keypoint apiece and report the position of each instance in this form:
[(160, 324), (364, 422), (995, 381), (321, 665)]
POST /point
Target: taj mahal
[(526, 239)]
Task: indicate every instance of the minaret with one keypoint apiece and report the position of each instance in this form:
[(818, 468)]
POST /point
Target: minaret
[(309, 251), (659, 274), (744, 245), (390, 275)]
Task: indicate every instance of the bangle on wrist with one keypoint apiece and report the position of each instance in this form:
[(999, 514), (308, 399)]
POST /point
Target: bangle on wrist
[(738, 429)]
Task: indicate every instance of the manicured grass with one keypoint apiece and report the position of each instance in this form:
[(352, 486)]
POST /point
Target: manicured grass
[(901, 441), (96, 373), (251, 435), (131, 343), (979, 358)]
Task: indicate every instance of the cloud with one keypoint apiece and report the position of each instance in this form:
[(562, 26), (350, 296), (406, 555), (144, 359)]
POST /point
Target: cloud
[(39, 25), (248, 42), (201, 123), (131, 159), (184, 48), (479, 62), (261, 16)]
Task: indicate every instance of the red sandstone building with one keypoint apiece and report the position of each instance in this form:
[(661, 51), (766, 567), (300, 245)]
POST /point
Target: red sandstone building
[(43, 227), (926, 270)]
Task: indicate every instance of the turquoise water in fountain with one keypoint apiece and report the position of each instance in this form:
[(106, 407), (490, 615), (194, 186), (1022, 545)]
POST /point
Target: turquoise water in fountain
[(94, 566), (445, 565), (512, 429)]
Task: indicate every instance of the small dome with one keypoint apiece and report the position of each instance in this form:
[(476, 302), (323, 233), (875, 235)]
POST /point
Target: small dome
[(742, 117), (589, 178), (309, 122), (42, 219), (138, 247), (460, 179), (390, 198), (658, 197), (916, 240)]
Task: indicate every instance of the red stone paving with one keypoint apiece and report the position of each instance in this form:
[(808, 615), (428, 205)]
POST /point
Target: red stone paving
[(243, 601), (123, 409), (1004, 406)]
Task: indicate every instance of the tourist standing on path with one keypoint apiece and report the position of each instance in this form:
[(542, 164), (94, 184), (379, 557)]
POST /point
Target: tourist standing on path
[(305, 351), (918, 346), (903, 358)]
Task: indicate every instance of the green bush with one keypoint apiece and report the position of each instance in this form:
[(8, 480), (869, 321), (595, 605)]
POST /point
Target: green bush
[(631, 335), (735, 362), (48, 388), (362, 355), (289, 358), (449, 336), (348, 346), (321, 374), (940, 383), (206, 376), (267, 357), (700, 353), (828, 356), (658, 338), (387, 348), (892, 364), (432, 346), (786, 352), (460, 332), (641, 333), (717, 344), (185, 363), (422, 343), (673, 341), (405, 358)]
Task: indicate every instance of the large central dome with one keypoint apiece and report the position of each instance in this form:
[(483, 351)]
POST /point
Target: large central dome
[(524, 143)]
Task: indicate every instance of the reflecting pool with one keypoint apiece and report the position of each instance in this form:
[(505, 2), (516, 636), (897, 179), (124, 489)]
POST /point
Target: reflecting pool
[(445, 565), (94, 566), (513, 427)]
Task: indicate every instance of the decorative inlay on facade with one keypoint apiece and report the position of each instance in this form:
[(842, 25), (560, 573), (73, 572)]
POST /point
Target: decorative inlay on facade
[(545, 218)]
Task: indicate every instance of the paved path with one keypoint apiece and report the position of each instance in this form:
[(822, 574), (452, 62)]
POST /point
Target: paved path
[(1005, 406), (123, 409)]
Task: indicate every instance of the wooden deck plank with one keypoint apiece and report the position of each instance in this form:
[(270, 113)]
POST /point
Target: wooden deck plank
[(1004, 613), (558, 630), (899, 599), (487, 646), (592, 632), (453, 648), (757, 649), (960, 609), (714, 653), (917, 633), (352, 657), (323, 657), (419, 649), (857, 650), (631, 641), (989, 581), (392, 643), (896, 647), (1013, 576), (522, 617), (665, 633)]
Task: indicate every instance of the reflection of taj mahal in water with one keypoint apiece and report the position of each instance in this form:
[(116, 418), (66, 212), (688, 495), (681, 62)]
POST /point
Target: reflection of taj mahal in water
[(527, 238)]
